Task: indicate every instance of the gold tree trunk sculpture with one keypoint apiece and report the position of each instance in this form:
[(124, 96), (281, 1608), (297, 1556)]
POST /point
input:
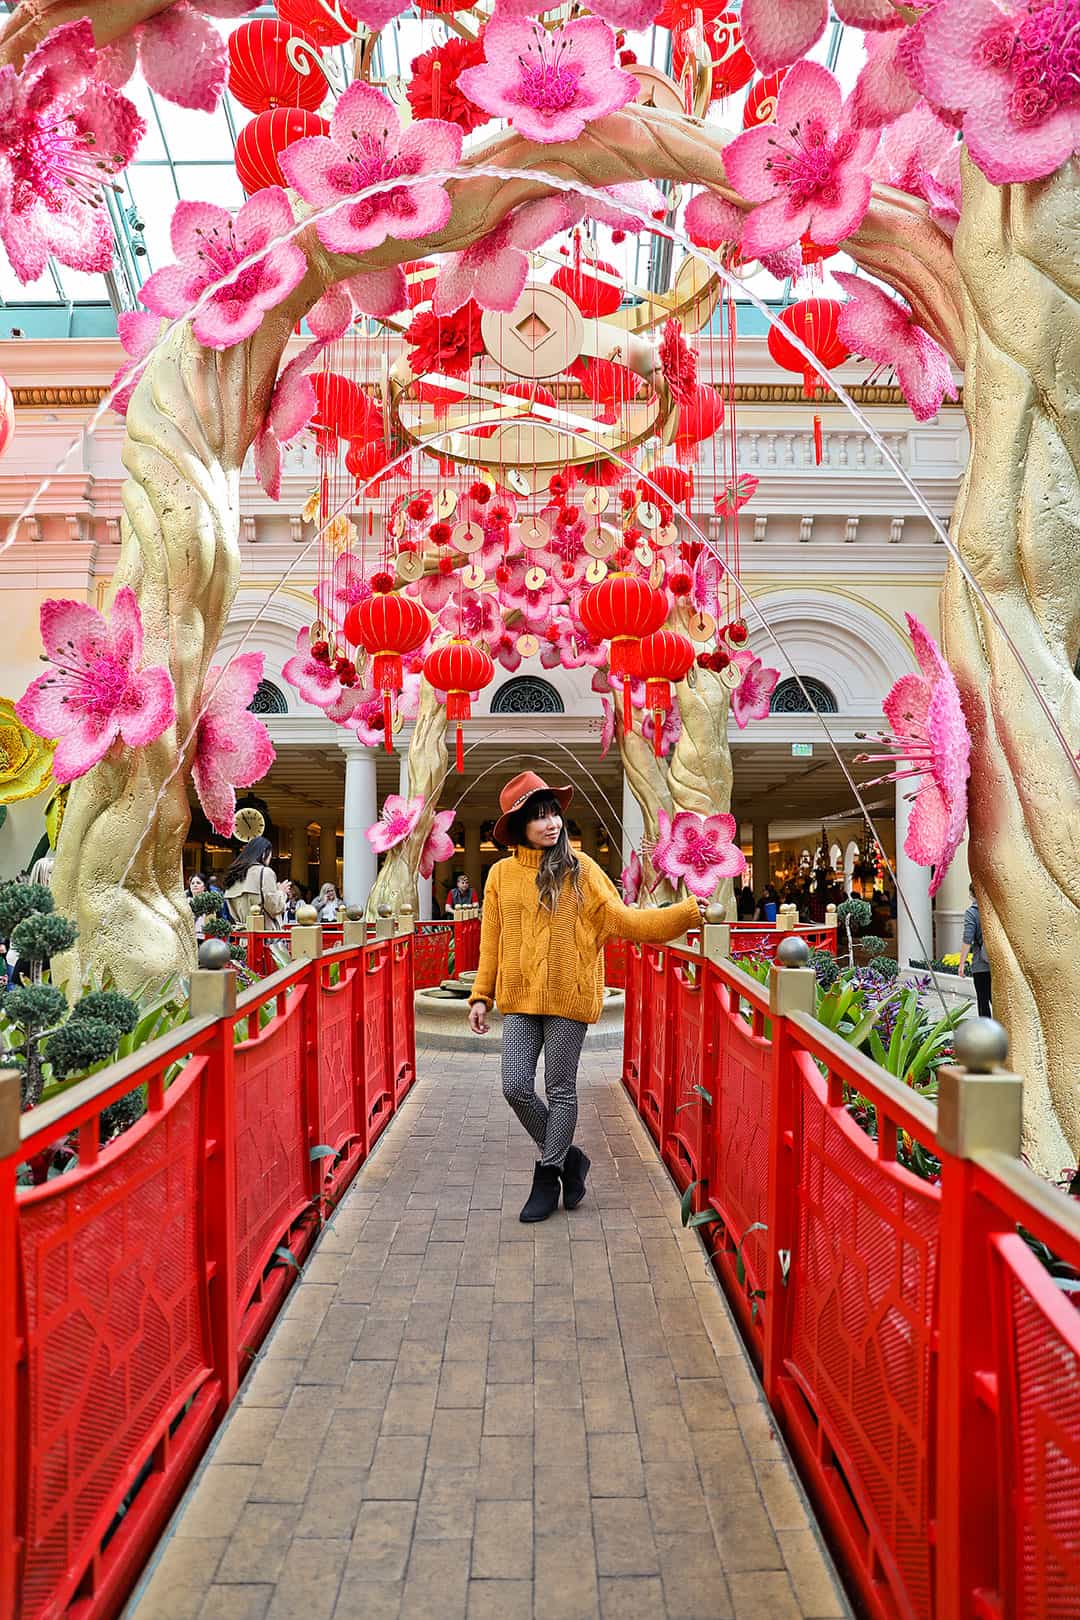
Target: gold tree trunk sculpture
[(700, 777), (396, 884)]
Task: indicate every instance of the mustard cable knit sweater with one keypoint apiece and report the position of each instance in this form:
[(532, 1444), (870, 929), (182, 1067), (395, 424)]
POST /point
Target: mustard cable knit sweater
[(534, 962)]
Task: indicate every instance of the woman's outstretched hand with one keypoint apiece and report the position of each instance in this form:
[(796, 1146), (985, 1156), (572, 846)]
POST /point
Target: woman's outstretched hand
[(478, 1020)]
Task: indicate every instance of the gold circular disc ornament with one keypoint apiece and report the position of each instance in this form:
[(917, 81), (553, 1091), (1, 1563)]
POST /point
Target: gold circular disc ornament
[(467, 537), (488, 478), (656, 575), (409, 565), (473, 577), (702, 627), (656, 89), (643, 555), (600, 540), (541, 336), (528, 646), (397, 722), (535, 578), (596, 501), (595, 571), (648, 515), (668, 535), (533, 533), (518, 482), (445, 502), (731, 676), (397, 524)]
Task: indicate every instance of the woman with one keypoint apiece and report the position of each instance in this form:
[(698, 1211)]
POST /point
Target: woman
[(250, 881), (547, 914), (196, 885), (326, 903)]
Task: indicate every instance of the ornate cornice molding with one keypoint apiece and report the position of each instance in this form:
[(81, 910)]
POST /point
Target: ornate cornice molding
[(51, 398)]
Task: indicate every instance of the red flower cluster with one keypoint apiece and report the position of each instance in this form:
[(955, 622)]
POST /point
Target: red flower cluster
[(437, 94), (439, 534), (678, 361), (679, 584), (716, 661), (382, 583), (736, 632), (419, 507), (447, 343)]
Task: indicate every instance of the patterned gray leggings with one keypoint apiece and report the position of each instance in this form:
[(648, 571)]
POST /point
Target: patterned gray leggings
[(525, 1036)]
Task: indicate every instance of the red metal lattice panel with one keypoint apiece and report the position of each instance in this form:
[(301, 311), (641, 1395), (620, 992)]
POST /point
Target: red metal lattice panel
[(741, 1115), (632, 1022), (862, 1290), (401, 1024), (616, 953), (377, 1076), (683, 1146), (431, 953), (339, 1122), (1039, 1338), (116, 1333), (271, 1145), (654, 1038), (467, 945)]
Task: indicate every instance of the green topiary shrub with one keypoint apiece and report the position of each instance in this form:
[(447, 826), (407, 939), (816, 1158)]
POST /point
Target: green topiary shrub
[(855, 914), (206, 904), (825, 966), (34, 1007), (111, 1007), (78, 1045), (887, 966), (19, 901), (217, 928), (43, 936), (873, 944)]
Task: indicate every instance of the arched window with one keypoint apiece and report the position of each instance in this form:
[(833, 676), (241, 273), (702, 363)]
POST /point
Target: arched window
[(268, 699), (527, 694), (790, 698)]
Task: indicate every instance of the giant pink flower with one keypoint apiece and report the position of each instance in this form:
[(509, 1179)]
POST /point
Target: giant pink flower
[(209, 244), (292, 405), (630, 878), (138, 332), (96, 689), (929, 736), (534, 602), (181, 56), (750, 699), (366, 145), (882, 329), (438, 845), (1012, 68), (317, 682), (778, 32), (472, 615), (397, 822), (62, 135), (807, 171), (347, 585), (548, 85), (232, 746), (697, 850), (920, 154), (493, 270)]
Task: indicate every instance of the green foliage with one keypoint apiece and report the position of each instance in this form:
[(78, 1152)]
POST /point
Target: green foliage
[(872, 944), (78, 1045), (825, 966), (111, 1007), (854, 913), (887, 966), (217, 928), (121, 1115), (19, 901), (207, 904), (41, 937), (34, 1006)]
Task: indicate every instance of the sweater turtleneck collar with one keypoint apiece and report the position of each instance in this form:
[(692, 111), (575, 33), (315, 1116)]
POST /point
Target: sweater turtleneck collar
[(529, 857)]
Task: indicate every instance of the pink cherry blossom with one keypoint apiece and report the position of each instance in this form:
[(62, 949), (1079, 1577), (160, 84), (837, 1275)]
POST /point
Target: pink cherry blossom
[(374, 14), (96, 689), (438, 845), (712, 222), (138, 332), (884, 90), (367, 718), (548, 85), (317, 683), (630, 878), (470, 614), (505, 650), (209, 243), (920, 154), (1012, 68), (670, 728), (181, 56), (882, 329), (750, 699), (232, 746), (930, 736), (62, 136), (397, 822), (572, 646), (697, 850), (366, 145), (494, 269), (808, 171), (607, 726), (346, 586), (778, 32), (292, 405), (369, 292), (534, 602)]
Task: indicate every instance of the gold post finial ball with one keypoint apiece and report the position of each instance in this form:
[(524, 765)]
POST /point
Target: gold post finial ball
[(715, 913), (405, 909), (214, 954), (354, 913), (385, 911), (306, 916), (980, 1045), (793, 953)]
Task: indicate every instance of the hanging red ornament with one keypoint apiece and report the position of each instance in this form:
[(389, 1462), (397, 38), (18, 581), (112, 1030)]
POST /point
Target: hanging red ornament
[(621, 609), (365, 459), (677, 483), (309, 17), (343, 411), (459, 669), (387, 625), (261, 76), (592, 296), (736, 632), (816, 321), (663, 657), (818, 441), (701, 414), (760, 104), (731, 63), (262, 140)]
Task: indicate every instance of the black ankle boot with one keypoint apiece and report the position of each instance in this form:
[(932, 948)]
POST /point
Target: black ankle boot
[(544, 1198), (574, 1171)]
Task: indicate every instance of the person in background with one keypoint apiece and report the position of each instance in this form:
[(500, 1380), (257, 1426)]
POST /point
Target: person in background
[(462, 894), (250, 881), (980, 962), (293, 898), (326, 903), (196, 885), (745, 904), (768, 904)]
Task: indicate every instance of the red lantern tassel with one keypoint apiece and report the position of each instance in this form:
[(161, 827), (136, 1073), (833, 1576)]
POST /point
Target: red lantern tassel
[(460, 752), (388, 721), (658, 726), (817, 441), (627, 708)]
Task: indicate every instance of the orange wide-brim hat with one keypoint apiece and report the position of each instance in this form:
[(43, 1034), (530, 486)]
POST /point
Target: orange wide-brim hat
[(518, 792)]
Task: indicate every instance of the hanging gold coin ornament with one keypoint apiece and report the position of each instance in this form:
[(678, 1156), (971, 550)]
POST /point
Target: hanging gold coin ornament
[(533, 533), (702, 627), (596, 501), (398, 721), (466, 537), (596, 570), (318, 631), (648, 515), (445, 502), (409, 566), (600, 540), (473, 577), (643, 555), (731, 676), (656, 574), (488, 478), (518, 482), (528, 646), (397, 524), (535, 578), (668, 535)]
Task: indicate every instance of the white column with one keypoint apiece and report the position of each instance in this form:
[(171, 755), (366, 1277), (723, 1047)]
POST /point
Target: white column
[(761, 856), (298, 858), (361, 812), (914, 925), (328, 850), (633, 821), (950, 903), (423, 884)]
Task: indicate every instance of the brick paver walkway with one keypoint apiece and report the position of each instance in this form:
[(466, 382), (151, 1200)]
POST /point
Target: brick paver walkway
[(462, 1418)]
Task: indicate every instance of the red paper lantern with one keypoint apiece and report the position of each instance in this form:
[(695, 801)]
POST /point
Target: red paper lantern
[(664, 656), (622, 609), (701, 414), (387, 626), (592, 297), (261, 77), (760, 104), (344, 411), (458, 668), (7, 415), (677, 484), (261, 142), (732, 66), (308, 17), (816, 322), (365, 459)]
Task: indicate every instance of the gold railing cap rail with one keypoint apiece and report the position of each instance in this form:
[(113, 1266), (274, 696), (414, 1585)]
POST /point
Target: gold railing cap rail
[(1041, 1196), (865, 1070)]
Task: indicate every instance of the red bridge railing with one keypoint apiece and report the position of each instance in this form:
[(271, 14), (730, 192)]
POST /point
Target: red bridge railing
[(135, 1287), (921, 1361), (439, 948), (747, 939)]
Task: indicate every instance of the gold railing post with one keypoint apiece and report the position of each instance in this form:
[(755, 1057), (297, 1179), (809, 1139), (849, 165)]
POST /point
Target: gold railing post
[(980, 1105), (212, 989), (354, 928), (305, 940)]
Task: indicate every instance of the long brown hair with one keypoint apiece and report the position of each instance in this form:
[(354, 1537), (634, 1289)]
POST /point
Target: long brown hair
[(557, 863)]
